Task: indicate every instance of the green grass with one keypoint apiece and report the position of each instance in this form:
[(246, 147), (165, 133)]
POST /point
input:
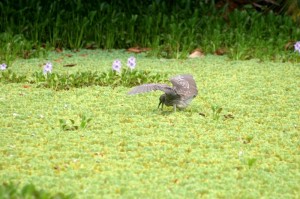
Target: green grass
[(171, 30), (130, 149)]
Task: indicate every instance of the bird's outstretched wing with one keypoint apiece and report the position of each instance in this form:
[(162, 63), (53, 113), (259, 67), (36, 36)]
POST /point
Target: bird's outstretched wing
[(151, 87), (185, 86)]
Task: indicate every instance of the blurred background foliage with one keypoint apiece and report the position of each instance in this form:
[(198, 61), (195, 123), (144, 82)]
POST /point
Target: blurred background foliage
[(172, 29)]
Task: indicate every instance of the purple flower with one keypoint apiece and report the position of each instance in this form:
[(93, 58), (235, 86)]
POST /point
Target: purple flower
[(131, 62), (3, 66), (297, 46), (47, 68), (117, 65)]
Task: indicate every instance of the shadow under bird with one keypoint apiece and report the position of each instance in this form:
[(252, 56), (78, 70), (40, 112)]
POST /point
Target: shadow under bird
[(184, 90)]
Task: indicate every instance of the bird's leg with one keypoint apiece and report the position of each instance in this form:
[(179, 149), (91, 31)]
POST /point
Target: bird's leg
[(174, 106), (162, 105)]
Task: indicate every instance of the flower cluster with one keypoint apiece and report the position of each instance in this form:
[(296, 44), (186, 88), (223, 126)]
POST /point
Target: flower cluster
[(131, 63), (47, 68), (297, 46), (117, 66), (3, 66)]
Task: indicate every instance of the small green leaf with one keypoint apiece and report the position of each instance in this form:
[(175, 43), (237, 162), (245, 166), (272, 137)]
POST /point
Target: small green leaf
[(219, 110), (251, 162), (83, 124)]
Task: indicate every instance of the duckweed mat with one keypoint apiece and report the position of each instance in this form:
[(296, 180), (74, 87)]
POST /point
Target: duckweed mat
[(240, 137)]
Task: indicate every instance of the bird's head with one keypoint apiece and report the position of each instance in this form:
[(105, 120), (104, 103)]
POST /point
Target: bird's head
[(162, 100)]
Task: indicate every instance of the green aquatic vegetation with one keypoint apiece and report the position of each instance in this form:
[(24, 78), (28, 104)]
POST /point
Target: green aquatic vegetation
[(8, 76), (216, 111), (127, 78), (130, 149), (69, 125), (10, 190), (84, 79)]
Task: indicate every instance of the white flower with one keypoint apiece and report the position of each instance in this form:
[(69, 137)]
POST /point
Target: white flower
[(47, 68), (3, 66), (297, 46), (117, 65), (131, 62)]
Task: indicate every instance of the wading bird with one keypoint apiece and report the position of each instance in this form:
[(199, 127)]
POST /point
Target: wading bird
[(184, 90)]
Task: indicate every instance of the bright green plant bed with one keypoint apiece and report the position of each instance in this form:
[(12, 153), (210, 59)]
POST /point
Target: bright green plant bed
[(238, 139)]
